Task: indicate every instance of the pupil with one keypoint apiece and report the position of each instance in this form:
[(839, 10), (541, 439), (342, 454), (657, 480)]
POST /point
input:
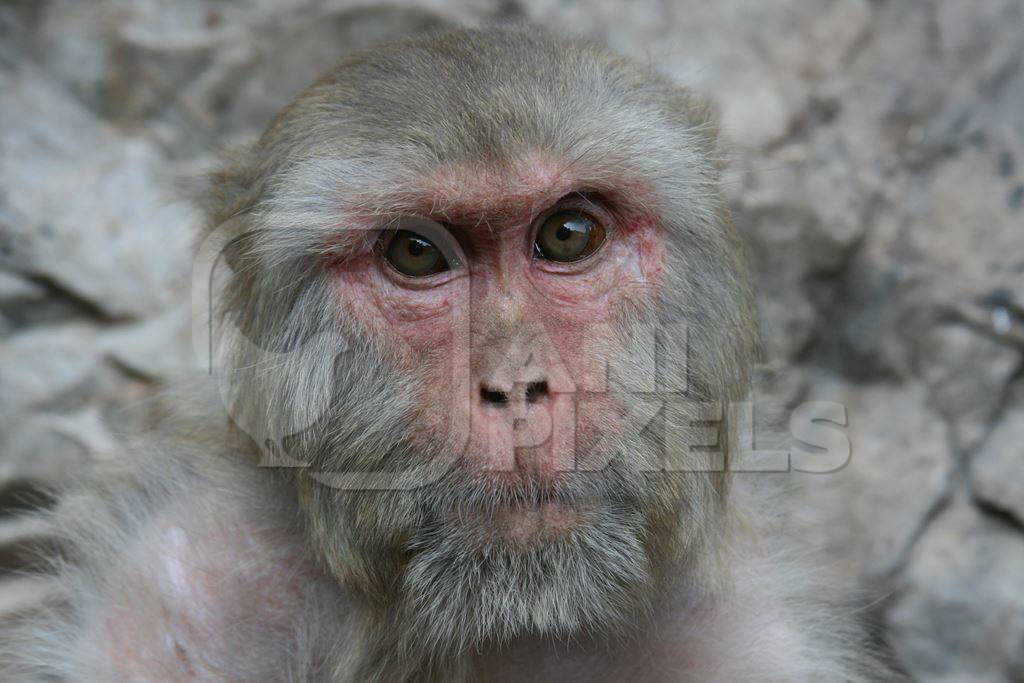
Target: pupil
[(416, 247), (563, 233)]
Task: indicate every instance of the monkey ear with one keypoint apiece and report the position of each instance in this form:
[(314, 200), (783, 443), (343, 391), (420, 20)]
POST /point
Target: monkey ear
[(226, 194), (230, 189), (234, 252)]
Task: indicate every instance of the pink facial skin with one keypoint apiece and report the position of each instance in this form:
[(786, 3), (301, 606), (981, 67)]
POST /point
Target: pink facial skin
[(508, 318)]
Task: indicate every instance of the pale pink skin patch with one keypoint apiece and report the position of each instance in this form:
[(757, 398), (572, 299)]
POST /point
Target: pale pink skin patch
[(204, 585), (558, 316)]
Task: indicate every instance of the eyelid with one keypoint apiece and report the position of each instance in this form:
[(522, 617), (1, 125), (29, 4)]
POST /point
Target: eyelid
[(575, 202)]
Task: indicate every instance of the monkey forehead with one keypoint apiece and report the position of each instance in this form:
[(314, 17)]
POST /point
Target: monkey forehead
[(489, 197), (481, 193)]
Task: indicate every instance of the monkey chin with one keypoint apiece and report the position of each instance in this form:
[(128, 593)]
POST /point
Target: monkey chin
[(546, 522)]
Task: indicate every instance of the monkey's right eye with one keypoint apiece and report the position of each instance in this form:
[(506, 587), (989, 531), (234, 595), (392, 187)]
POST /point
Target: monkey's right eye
[(414, 255)]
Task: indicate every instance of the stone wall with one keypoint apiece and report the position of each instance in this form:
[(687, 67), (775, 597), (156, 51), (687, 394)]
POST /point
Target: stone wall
[(876, 166)]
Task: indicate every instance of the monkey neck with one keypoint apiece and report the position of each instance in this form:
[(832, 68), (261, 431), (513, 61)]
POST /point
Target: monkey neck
[(682, 601), (672, 637)]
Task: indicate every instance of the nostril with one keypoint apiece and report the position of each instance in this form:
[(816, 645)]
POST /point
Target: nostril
[(535, 391), (493, 396)]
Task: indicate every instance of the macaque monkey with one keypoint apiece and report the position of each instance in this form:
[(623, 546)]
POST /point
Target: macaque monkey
[(481, 318)]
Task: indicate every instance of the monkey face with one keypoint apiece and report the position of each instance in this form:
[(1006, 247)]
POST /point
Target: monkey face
[(497, 341), (499, 270)]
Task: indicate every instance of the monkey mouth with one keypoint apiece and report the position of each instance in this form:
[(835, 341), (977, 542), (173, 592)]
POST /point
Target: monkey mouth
[(523, 508), (523, 523)]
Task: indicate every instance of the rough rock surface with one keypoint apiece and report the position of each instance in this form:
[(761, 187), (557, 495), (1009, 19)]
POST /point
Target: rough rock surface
[(996, 467), (876, 167), (958, 615)]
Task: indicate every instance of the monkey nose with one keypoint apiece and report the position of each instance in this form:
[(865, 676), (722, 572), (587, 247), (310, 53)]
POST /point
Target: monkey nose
[(498, 395)]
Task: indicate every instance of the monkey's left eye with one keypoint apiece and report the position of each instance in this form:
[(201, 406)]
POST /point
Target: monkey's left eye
[(568, 236), (414, 255)]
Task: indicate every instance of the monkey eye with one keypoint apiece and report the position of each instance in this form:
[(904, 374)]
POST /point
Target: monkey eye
[(569, 235), (414, 255)]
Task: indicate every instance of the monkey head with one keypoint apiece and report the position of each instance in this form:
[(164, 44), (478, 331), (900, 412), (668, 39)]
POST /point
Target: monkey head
[(471, 274)]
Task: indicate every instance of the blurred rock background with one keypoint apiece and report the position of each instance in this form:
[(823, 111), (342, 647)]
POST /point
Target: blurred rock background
[(876, 166)]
